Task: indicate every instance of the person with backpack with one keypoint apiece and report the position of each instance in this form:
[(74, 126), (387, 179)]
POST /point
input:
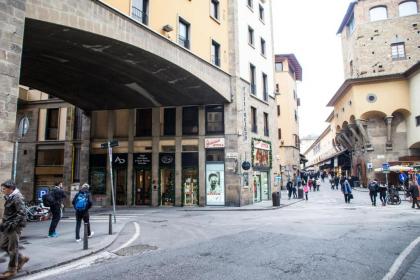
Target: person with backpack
[(382, 189), (373, 191), (82, 203), (55, 199)]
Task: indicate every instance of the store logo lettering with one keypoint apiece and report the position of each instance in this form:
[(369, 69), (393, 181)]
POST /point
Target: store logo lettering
[(119, 160)]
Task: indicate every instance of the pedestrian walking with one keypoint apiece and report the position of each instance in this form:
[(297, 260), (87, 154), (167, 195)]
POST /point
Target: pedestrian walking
[(306, 190), (310, 183), (346, 190), (82, 203), (289, 187), (382, 189), (57, 197), (14, 219), (336, 182), (294, 191), (414, 190), (373, 191), (318, 184)]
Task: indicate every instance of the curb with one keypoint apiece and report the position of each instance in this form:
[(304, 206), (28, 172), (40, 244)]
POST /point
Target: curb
[(240, 209), (27, 273), (407, 263)]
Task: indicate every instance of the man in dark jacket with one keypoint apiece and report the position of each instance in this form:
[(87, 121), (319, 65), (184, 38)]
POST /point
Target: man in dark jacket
[(414, 191), (373, 191), (58, 196), (14, 219), (82, 203), (289, 187)]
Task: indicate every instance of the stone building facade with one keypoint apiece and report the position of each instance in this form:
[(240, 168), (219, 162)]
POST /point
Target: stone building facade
[(373, 114), (173, 150)]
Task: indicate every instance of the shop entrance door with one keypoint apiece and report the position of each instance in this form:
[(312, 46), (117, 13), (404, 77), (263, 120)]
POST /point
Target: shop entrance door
[(190, 186), (142, 187), (121, 186), (265, 192), (167, 186), (257, 188)]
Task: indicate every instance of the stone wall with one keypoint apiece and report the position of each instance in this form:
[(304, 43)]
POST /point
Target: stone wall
[(12, 19), (369, 46)]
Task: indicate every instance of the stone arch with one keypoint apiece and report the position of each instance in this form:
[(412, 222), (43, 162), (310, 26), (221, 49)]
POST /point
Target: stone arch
[(373, 114)]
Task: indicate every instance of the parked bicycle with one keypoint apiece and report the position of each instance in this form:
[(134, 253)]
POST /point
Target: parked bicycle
[(35, 213), (393, 197)]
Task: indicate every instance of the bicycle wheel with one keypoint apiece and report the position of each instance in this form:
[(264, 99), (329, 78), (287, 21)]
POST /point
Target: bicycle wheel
[(388, 200)]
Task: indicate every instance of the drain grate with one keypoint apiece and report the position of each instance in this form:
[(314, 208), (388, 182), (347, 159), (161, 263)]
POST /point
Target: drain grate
[(135, 250)]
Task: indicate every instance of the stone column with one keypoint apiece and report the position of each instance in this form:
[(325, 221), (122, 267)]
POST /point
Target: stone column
[(85, 148), (68, 150), (361, 124), (131, 129), (201, 156), (155, 155), (12, 22), (178, 157), (388, 121), (352, 128)]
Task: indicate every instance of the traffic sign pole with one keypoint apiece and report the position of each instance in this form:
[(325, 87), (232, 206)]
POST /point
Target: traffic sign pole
[(112, 180)]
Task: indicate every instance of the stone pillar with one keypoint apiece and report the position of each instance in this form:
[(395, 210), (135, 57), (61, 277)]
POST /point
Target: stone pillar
[(155, 155), (361, 124), (178, 157), (201, 156), (85, 148), (352, 128), (347, 140), (68, 151), (131, 131), (388, 121), (12, 22)]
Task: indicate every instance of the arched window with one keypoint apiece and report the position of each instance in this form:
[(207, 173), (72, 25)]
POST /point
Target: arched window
[(378, 13), (407, 8)]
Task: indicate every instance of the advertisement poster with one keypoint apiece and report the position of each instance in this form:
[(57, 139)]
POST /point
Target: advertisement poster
[(215, 184), (261, 154)]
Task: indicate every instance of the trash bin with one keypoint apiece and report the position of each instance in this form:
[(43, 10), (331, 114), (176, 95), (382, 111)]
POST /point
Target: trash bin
[(276, 198), (300, 193)]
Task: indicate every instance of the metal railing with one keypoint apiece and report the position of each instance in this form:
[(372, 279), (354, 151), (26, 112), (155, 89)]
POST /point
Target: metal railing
[(139, 15)]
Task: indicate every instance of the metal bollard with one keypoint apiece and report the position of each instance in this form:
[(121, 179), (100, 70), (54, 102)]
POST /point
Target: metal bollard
[(110, 225), (85, 237)]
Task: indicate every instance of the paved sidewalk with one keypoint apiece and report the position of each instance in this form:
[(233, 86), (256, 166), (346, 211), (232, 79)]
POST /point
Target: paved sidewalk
[(258, 206), (45, 252), (413, 273)]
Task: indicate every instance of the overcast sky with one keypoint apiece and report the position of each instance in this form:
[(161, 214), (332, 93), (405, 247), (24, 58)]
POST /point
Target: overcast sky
[(308, 29)]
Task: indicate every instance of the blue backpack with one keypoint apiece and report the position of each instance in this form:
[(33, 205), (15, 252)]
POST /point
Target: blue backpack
[(81, 202)]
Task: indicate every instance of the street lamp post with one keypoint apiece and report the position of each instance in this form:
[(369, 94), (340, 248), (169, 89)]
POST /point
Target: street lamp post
[(108, 145)]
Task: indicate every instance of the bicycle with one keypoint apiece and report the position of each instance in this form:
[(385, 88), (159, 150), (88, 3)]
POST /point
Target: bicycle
[(35, 213), (393, 196)]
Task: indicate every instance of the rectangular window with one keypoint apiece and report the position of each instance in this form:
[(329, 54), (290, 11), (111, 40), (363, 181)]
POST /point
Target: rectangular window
[(261, 13), (214, 9), (250, 35), (169, 120), (184, 33), (139, 11), (215, 119), (351, 25), (398, 51), (254, 120), (50, 157), (266, 125), (215, 155), (278, 110), (418, 121), (190, 120), (277, 88), (143, 122), (265, 85), (296, 140), (279, 66), (262, 46), (279, 132), (51, 129), (250, 3), (252, 79), (296, 116), (215, 53)]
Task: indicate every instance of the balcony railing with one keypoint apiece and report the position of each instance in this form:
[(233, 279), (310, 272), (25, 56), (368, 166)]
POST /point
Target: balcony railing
[(139, 15), (215, 60), (184, 42), (253, 88)]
